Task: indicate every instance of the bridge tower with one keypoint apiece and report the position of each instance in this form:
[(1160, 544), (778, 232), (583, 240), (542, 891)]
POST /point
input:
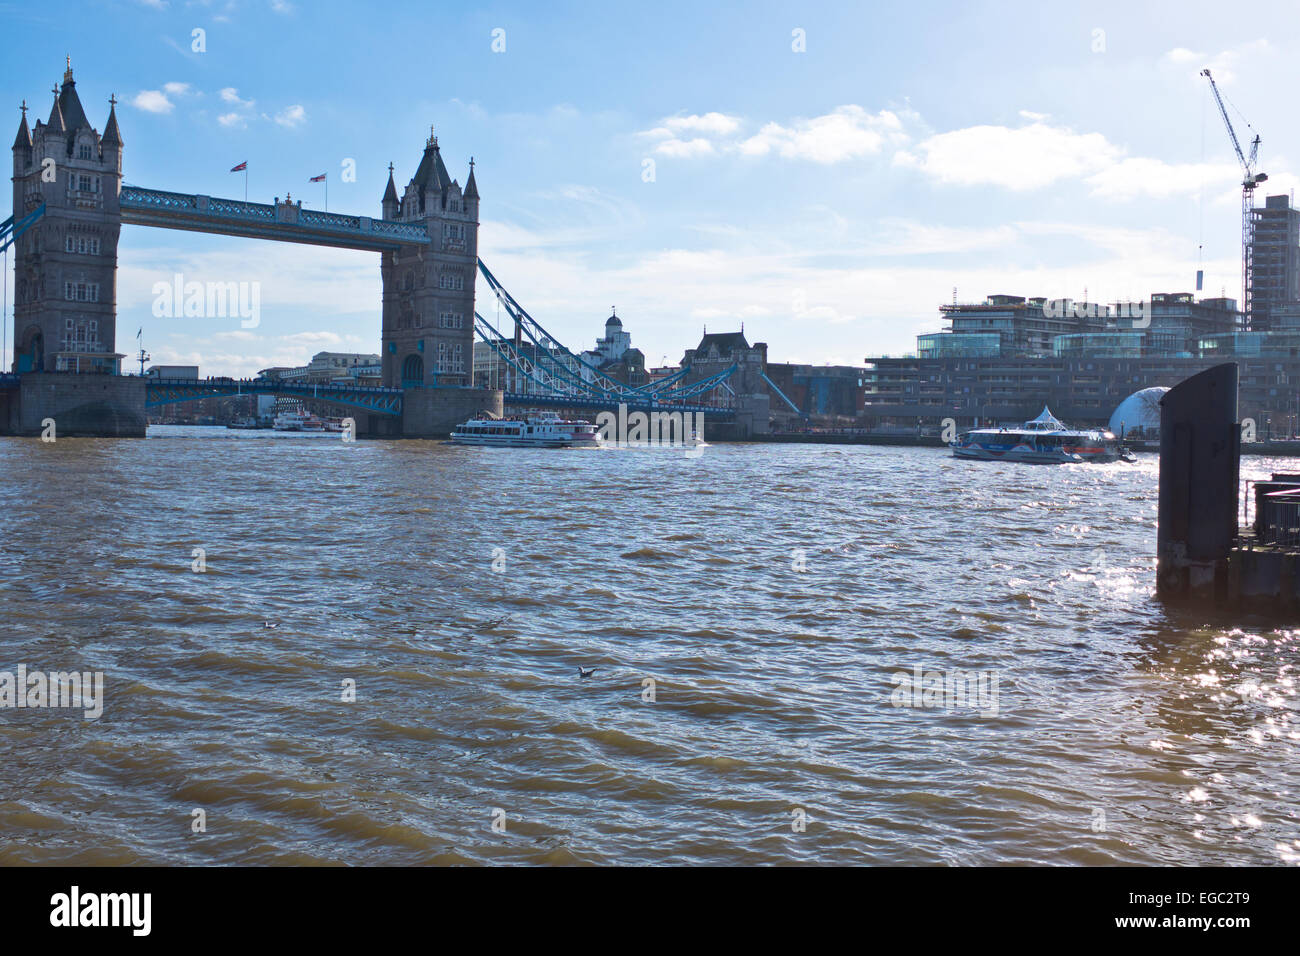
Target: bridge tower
[(428, 308), (65, 297)]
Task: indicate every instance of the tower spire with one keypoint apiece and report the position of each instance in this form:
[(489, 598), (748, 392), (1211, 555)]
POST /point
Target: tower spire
[(471, 187), (24, 138), (55, 125), (112, 137), (390, 192)]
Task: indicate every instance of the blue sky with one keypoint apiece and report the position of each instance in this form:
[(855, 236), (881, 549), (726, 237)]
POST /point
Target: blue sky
[(829, 199)]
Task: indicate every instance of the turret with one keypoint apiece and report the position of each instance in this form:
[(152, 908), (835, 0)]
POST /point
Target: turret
[(390, 204), (110, 145), (22, 143), (471, 188)]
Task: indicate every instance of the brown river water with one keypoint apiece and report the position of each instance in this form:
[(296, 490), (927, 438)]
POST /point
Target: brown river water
[(773, 594)]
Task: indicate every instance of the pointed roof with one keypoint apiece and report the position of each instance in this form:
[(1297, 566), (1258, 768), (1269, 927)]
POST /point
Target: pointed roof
[(727, 342), (390, 194), (74, 117), (471, 187), (432, 173), (55, 124), (111, 135), (24, 137)]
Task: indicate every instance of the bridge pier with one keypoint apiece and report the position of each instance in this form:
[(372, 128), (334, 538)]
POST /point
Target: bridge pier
[(90, 406), (434, 412)]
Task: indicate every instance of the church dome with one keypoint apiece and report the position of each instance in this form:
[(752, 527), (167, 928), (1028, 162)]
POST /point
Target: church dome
[(613, 322)]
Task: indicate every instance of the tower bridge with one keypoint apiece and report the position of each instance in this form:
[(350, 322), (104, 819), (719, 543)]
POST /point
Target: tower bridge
[(70, 203)]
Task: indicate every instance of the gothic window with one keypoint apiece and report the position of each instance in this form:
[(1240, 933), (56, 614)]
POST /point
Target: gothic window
[(81, 291), (83, 151), (82, 245)]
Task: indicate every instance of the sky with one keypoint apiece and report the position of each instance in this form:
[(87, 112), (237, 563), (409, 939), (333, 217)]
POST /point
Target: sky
[(826, 175)]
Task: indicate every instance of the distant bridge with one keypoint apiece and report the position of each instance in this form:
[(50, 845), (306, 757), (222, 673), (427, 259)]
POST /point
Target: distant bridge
[(382, 401), (559, 378)]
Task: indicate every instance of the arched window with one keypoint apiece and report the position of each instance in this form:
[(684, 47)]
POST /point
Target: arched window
[(412, 371)]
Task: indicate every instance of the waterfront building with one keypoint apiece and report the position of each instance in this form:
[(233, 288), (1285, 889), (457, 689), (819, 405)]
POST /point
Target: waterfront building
[(1003, 359), (615, 357), (818, 391), (341, 367), (189, 372), (1009, 325)]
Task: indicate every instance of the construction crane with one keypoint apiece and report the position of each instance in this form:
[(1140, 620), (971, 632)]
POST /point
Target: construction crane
[(1250, 180)]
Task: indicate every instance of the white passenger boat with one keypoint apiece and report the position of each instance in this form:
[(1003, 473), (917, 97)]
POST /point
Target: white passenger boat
[(527, 433), (298, 421), (1045, 441)]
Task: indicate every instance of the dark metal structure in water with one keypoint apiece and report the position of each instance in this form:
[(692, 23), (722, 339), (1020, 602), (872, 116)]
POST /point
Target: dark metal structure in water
[(1200, 455), (1202, 555)]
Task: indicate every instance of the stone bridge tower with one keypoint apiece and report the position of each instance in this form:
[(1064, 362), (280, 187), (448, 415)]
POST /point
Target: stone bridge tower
[(428, 310), (65, 296)]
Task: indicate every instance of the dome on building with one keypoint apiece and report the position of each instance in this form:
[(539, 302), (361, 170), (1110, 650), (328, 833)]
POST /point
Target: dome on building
[(1139, 410), (615, 321)]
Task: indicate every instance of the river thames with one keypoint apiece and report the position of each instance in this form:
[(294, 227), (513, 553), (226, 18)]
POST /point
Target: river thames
[(753, 616)]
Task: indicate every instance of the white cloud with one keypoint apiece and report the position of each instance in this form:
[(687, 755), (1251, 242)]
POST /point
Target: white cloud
[(1026, 158), (847, 132), (716, 124), (1222, 65), (291, 116), (231, 95), (685, 148), (231, 120), (1142, 176), (176, 89), (152, 101)]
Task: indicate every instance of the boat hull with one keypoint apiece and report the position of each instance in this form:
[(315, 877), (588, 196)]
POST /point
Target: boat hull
[(1068, 455), (508, 441)]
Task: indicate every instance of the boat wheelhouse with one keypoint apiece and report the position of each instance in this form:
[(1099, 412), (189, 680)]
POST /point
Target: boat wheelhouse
[(1044, 440)]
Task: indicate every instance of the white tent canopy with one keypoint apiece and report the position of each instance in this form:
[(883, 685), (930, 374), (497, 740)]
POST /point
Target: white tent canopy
[(1046, 421)]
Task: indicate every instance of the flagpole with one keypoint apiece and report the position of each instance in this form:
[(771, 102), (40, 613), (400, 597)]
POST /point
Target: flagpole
[(245, 182)]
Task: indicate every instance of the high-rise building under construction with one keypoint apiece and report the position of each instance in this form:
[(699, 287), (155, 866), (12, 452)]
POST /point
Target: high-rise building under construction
[(1274, 277)]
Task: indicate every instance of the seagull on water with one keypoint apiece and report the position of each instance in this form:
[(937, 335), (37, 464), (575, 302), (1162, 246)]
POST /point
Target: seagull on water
[(585, 671), (268, 625)]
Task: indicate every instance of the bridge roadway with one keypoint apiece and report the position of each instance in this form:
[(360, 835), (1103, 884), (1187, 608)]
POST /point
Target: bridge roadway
[(284, 221), (377, 399)]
